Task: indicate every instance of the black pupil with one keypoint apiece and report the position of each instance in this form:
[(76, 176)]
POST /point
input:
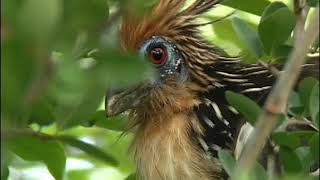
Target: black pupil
[(157, 54)]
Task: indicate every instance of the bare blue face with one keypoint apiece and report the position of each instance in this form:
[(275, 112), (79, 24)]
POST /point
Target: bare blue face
[(165, 57)]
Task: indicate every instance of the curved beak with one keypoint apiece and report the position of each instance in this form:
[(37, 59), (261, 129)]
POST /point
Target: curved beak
[(121, 100)]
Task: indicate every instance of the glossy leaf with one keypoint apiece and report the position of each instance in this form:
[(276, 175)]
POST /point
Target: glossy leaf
[(248, 36), (276, 25), (248, 108)]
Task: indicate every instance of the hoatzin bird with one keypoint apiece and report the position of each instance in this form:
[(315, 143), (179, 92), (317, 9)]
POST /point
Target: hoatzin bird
[(180, 117)]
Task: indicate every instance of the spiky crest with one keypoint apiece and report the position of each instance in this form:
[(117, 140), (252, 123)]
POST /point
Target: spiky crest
[(167, 18)]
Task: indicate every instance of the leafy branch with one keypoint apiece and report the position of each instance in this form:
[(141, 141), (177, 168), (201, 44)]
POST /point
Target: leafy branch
[(278, 98)]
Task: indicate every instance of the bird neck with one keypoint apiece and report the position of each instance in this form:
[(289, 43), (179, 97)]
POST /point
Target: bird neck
[(168, 152), (165, 145)]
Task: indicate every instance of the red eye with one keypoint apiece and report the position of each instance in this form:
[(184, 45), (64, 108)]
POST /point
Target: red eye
[(158, 56)]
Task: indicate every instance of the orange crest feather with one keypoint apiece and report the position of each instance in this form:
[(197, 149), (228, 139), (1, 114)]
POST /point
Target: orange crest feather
[(166, 18), (136, 28)]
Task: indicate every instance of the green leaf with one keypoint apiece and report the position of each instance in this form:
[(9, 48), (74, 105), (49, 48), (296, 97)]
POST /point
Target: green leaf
[(83, 17), (313, 3), (292, 139), (34, 148), (132, 177), (34, 24), (121, 69), (5, 173), (227, 161), (248, 36), (272, 8), (115, 123), (305, 157), (294, 100), (79, 174), (89, 149), (42, 113), (258, 172), (286, 139), (281, 53), (6, 159), (18, 67), (314, 145), (248, 108), (225, 33), (276, 25), (290, 161), (305, 91), (251, 6), (314, 102)]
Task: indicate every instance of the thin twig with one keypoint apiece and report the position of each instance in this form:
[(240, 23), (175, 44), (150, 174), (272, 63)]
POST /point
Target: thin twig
[(277, 100)]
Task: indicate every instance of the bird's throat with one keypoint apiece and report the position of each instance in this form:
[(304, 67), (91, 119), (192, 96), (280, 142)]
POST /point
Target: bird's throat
[(165, 145)]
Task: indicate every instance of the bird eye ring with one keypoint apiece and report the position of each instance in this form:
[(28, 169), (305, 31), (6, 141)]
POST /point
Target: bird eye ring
[(158, 55)]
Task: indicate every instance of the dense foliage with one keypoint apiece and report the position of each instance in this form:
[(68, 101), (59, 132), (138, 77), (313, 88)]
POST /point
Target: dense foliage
[(58, 57)]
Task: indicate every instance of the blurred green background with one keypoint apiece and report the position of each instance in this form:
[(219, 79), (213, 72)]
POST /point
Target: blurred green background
[(58, 57)]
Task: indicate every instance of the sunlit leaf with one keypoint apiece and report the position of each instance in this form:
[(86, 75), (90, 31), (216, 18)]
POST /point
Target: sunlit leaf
[(248, 36), (81, 174)]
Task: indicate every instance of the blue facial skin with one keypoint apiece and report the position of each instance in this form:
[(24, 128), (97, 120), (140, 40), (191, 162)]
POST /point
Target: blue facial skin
[(174, 64)]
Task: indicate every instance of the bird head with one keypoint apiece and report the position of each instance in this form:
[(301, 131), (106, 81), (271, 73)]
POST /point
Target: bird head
[(168, 38)]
